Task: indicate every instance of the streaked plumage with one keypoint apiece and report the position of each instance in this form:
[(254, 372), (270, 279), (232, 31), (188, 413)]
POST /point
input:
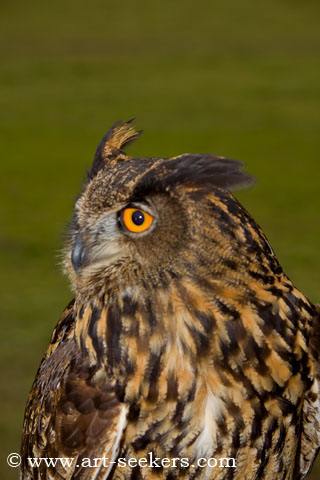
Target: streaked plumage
[(186, 340)]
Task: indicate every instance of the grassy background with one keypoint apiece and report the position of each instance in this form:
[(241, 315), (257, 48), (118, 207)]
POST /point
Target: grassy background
[(240, 79)]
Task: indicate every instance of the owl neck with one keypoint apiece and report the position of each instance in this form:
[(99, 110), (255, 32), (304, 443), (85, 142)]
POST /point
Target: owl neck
[(139, 337)]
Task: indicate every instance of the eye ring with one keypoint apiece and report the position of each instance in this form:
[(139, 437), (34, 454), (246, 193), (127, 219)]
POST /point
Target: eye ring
[(136, 220)]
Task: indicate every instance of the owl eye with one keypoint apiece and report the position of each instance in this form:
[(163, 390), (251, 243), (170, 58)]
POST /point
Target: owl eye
[(136, 220)]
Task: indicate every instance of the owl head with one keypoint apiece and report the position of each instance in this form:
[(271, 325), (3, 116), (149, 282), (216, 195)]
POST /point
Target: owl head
[(145, 221)]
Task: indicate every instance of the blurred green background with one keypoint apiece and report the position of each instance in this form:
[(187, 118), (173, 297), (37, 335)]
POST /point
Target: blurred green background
[(240, 79)]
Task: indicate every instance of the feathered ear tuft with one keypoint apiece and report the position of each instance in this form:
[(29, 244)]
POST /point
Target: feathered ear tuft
[(118, 136), (111, 144), (196, 170)]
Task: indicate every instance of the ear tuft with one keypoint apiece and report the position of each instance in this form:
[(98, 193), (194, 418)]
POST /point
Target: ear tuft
[(111, 144), (195, 170), (118, 136)]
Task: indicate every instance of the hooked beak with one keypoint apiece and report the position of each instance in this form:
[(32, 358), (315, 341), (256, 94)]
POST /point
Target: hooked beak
[(78, 255)]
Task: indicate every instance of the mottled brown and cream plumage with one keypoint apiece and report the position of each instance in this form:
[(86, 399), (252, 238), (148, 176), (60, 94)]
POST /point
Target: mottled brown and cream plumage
[(186, 340)]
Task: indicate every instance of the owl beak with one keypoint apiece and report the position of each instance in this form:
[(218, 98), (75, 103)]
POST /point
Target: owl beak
[(78, 255)]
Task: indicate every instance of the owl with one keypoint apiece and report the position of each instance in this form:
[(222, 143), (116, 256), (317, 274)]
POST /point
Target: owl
[(186, 353)]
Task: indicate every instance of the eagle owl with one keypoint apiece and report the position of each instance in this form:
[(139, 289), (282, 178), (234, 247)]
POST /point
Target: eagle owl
[(187, 353)]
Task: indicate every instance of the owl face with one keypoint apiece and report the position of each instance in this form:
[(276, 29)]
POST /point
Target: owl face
[(138, 220), (126, 236)]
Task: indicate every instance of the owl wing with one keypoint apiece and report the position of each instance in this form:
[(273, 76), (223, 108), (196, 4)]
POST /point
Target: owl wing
[(72, 414), (310, 425)]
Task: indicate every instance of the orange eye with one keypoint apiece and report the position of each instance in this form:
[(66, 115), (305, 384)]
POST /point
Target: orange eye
[(136, 220)]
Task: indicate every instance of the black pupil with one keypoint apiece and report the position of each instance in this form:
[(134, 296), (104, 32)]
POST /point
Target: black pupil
[(138, 218)]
